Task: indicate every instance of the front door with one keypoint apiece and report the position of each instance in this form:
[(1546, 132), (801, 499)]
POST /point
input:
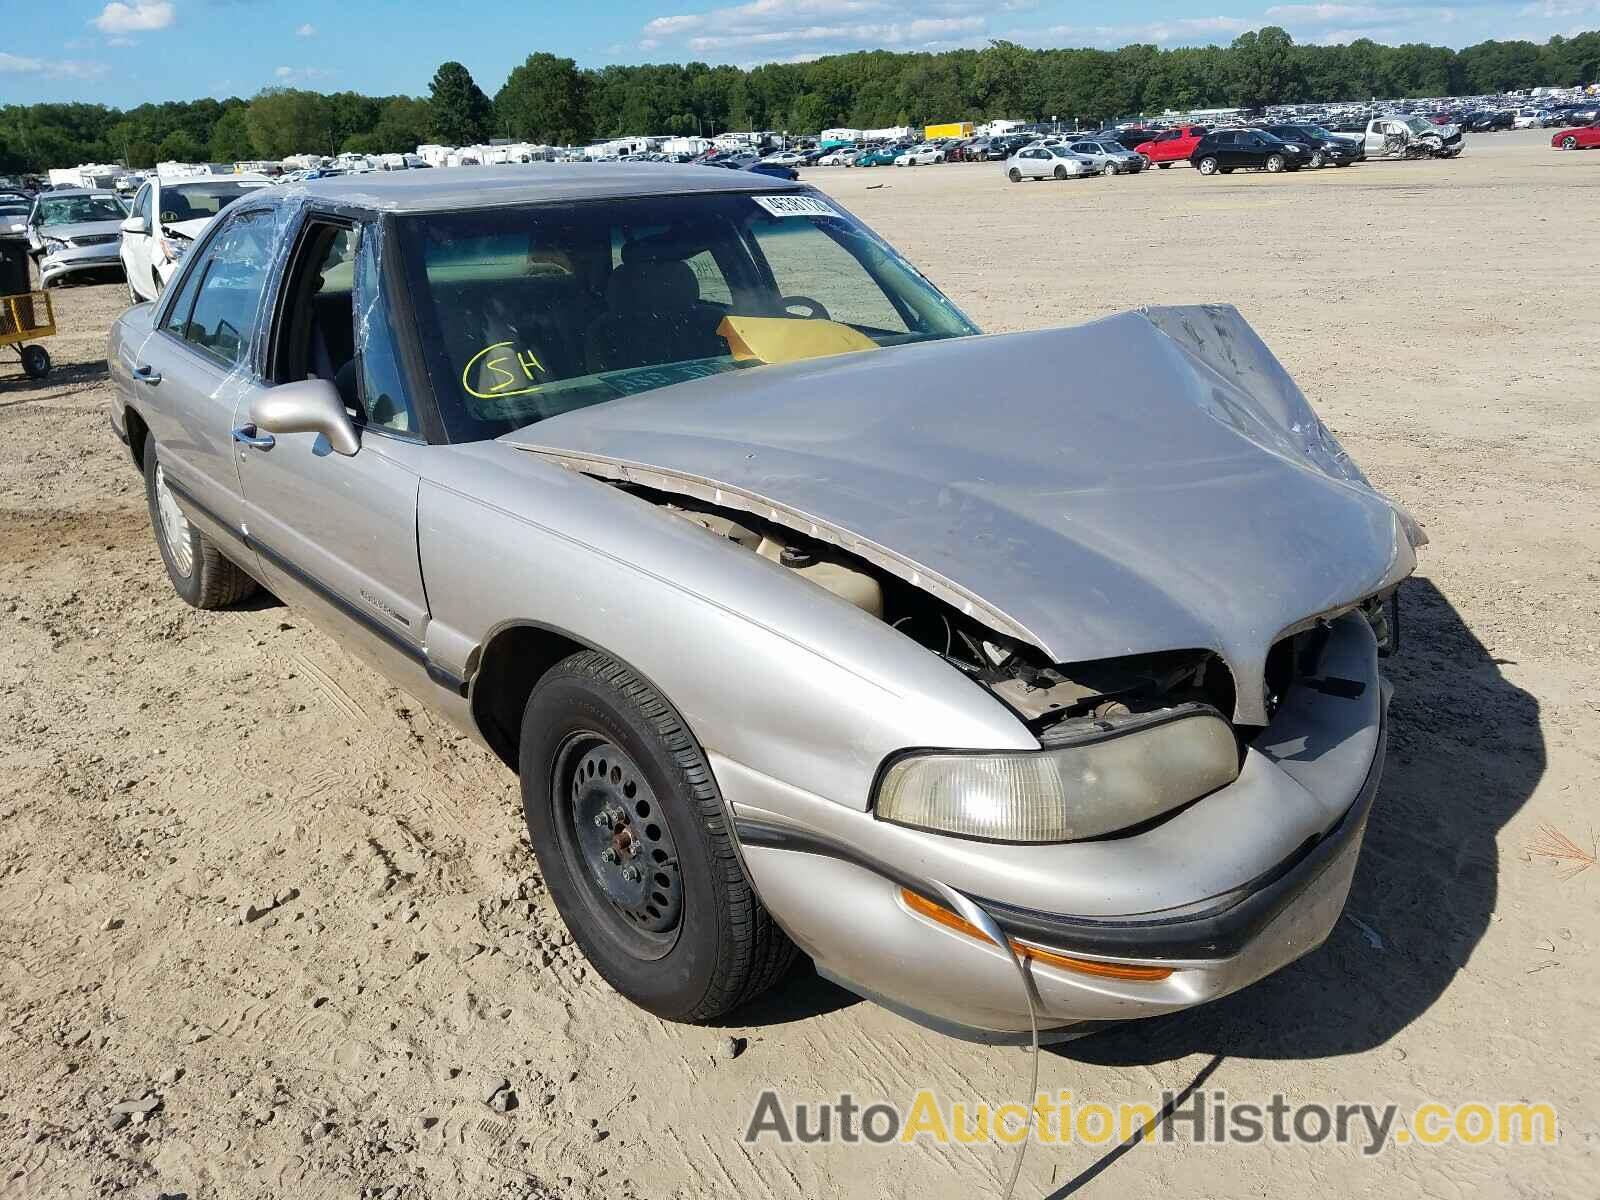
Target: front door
[(339, 534), (136, 246)]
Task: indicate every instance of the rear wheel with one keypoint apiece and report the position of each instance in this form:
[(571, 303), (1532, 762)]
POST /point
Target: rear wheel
[(1014, 175), (1208, 165), (200, 573), (1163, 166), (633, 842), (35, 361)]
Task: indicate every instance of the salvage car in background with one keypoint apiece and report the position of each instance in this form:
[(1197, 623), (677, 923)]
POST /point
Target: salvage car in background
[(75, 230), (1108, 157), (1224, 150), (802, 615), (1047, 161), (168, 214), (1172, 145), (1400, 136), (920, 156), (1319, 146), (1586, 137)]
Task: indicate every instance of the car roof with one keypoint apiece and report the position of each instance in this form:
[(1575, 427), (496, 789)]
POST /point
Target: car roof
[(446, 189), (81, 191)]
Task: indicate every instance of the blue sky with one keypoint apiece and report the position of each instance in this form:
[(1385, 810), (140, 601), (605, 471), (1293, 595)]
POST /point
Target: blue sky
[(130, 51)]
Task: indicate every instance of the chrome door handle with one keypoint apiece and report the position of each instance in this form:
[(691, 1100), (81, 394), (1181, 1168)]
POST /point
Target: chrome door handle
[(148, 375), (248, 435)]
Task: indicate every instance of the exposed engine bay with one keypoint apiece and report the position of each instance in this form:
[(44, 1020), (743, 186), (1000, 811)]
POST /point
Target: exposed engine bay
[(1044, 696)]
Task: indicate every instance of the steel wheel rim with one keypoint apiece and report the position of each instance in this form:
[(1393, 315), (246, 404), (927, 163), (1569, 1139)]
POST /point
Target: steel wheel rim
[(613, 825), (174, 526)]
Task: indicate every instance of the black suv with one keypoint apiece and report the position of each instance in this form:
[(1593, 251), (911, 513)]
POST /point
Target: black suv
[(1321, 147), (1223, 150)]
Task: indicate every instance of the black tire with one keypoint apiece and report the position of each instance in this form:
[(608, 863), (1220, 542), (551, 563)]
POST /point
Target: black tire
[(212, 580), (1569, 143), (1163, 166), (1275, 163), (1060, 172), (1317, 159), (1014, 175), (35, 361), (1208, 166), (722, 949), (133, 296)]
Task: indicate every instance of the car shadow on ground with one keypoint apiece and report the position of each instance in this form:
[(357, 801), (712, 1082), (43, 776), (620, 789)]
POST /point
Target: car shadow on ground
[(1465, 753)]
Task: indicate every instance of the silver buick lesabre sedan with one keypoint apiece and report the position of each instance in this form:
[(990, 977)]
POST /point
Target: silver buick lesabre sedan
[(805, 620)]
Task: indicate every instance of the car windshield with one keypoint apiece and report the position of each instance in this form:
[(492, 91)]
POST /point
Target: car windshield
[(197, 201), (1317, 131), (1060, 151), (1418, 125), (526, 313), (76, 210)]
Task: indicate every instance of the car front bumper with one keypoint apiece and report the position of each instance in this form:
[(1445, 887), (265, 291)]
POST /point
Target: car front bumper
[(1225, 892), (83, 258)]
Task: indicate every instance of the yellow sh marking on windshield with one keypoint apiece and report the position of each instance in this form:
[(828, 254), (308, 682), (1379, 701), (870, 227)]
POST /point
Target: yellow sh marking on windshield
[(506, 378)]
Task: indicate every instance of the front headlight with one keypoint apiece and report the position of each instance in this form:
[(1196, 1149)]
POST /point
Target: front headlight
[(55, 245), (1113, 774), (171, 249)]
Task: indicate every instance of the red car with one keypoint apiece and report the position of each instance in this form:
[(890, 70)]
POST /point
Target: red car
[(1172, 145), (1585, 137)]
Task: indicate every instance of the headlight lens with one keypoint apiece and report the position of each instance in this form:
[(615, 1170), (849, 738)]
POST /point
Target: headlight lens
[(172, 249), (54, 245), (1113, 775)]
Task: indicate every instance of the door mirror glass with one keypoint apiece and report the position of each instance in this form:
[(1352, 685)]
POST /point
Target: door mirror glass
[(306, 406)]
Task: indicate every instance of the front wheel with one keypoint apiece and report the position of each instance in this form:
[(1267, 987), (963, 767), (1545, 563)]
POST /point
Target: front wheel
[(1060, 172), (1317, 159), (1208, 165), (35, 361), (1569, 143), (1275, 163), (633, 842)]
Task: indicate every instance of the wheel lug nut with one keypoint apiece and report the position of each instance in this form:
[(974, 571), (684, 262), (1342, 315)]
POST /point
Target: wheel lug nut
[(600, 821), (631, 874), (609, 855)]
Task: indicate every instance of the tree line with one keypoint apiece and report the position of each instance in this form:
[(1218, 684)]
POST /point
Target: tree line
[(551, 100)]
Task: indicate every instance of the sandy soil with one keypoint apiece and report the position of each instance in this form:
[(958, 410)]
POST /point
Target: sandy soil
[(241, 874)]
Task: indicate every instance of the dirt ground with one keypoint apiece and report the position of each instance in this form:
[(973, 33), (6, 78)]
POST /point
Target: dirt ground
[(243, 876)]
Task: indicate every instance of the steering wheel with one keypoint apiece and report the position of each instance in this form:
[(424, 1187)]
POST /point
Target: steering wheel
[(814, 309)]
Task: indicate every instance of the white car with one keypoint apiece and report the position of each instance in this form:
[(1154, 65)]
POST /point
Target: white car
[(1530, 118), (784, 158), (1042, 161), (839, 158), (919, 156), (168, 214)]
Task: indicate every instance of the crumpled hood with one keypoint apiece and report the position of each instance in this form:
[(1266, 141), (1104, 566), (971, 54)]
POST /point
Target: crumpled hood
[(188, 229), (1150, 481), (81, 229)]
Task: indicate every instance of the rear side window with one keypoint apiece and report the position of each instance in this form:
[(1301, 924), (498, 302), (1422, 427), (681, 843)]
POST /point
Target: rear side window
[(228, 295)]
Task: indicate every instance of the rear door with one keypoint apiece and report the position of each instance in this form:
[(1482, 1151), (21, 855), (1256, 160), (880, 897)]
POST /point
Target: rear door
[(339, 534)]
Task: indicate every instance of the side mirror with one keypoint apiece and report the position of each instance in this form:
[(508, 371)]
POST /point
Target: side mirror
[(134, 225), (307, 406)]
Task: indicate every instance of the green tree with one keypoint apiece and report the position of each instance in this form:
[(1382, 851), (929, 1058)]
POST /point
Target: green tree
[(1265, 69), (545, 100), (284, 121), (460, 111), (230, 137)]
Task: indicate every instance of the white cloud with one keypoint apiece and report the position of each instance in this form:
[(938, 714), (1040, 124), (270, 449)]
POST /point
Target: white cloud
[(1182, 31), (53, 68), (308, 30), (799, 30), (301, 74), (138, 17)]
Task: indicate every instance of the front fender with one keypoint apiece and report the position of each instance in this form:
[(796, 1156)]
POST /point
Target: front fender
[(766, 669)]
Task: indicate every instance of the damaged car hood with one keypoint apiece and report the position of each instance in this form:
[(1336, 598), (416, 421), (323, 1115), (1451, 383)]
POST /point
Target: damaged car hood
[(1150, 481)]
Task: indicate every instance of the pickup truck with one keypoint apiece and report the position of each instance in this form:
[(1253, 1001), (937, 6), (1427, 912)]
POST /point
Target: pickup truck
[(1401, 136)]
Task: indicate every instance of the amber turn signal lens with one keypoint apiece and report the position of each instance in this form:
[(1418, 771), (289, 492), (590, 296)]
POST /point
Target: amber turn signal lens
[(1084, 966)]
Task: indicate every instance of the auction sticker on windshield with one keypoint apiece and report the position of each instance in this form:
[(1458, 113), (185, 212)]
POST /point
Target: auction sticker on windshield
[(795, 206)]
